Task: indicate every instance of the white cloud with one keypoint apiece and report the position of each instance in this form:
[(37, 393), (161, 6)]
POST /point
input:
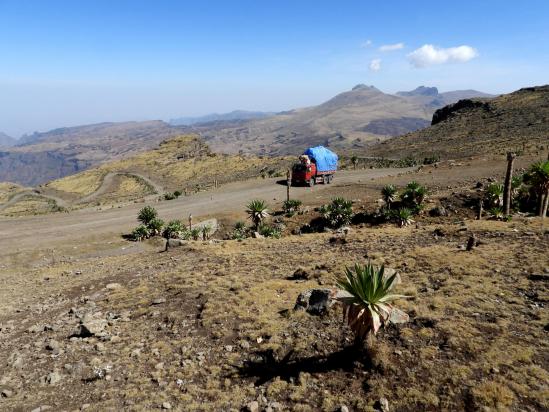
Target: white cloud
[(367, 43), (391, 47), (428, 55), (375, 65)]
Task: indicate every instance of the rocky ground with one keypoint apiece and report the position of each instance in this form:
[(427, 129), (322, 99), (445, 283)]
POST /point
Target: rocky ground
[(105, 324)]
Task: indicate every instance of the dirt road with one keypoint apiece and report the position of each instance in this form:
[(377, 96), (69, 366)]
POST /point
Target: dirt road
[(17, 234)]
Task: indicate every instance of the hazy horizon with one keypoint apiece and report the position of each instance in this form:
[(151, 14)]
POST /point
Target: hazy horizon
[(67, 64)]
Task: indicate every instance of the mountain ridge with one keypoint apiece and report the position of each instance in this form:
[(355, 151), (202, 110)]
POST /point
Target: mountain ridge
[(6, 141), (343, 122), (517, 121)]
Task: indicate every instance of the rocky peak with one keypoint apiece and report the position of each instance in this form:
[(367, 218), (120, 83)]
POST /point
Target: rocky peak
[(420, 91)]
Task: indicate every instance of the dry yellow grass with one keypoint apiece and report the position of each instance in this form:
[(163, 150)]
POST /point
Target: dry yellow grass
[(30, 205), (183, 163), (81, 184), (7, 190)]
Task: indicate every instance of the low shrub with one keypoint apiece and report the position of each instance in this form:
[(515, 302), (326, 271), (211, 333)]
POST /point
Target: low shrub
[(269, 231), (291, 207), (338, 213), (140, 233)]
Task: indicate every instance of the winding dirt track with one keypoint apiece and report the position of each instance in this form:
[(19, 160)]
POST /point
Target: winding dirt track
[(17, 234), (108, 181), (20, 195)]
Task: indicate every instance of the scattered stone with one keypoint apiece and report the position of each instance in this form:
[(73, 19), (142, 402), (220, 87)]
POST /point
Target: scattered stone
[(543, 277), (252, 407), (314, 301), (36, 329), (92, 327), (257, 235), (113, 286), (53, 345), (229, 348), (494, 370), (471, 243), (274, 406), (439, 232), (42, 408), (438, 211), (388, 272), (343, 408), (166, 405), (6, 393), (100, 347), (300, 274), (159, 301), (245, 344), (53, 378), (382, 405), (85, 406), (177, 242), (337, 240)]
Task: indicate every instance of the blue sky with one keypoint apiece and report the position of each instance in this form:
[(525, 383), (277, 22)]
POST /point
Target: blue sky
[(66, 63)]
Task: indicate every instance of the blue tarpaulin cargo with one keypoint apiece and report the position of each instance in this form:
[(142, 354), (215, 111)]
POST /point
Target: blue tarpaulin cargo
[(325, 159)]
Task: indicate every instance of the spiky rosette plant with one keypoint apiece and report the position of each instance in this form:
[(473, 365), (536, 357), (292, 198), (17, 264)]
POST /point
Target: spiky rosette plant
[(538, 177), (366, 306), (338, 213), (291, 207), (195, 233), (173, 229), (155, 226), (403, 217), (147, 214), (389, 194), (140, 233), (257, 210), (414, 194), (494, 195)]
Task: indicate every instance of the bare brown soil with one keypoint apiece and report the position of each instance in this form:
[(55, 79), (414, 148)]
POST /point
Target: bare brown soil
[(211, 326)]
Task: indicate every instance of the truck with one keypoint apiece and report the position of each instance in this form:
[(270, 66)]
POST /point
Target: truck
[(316, 165)]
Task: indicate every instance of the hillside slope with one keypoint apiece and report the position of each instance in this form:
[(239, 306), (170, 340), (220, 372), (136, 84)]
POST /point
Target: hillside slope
[(516, 121), (349, 121), (6, 141), (184, 163), (45, 156)]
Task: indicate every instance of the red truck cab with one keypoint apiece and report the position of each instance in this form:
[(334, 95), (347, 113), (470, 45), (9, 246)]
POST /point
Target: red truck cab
[(306, 173)]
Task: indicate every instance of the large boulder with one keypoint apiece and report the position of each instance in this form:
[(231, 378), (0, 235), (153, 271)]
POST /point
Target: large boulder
[(314, 301)]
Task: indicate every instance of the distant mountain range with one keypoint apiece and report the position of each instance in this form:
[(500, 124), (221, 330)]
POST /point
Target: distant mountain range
[(41, 157), (517, 121), (215, 117), (349, 121), (6, 141)]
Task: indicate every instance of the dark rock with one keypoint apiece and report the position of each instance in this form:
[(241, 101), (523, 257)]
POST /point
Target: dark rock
[(438, 211), (91, 327), (382, 404), (451, 110), (300, 274), (537, 277), (439, 232), (338, 241), (314, 301)]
